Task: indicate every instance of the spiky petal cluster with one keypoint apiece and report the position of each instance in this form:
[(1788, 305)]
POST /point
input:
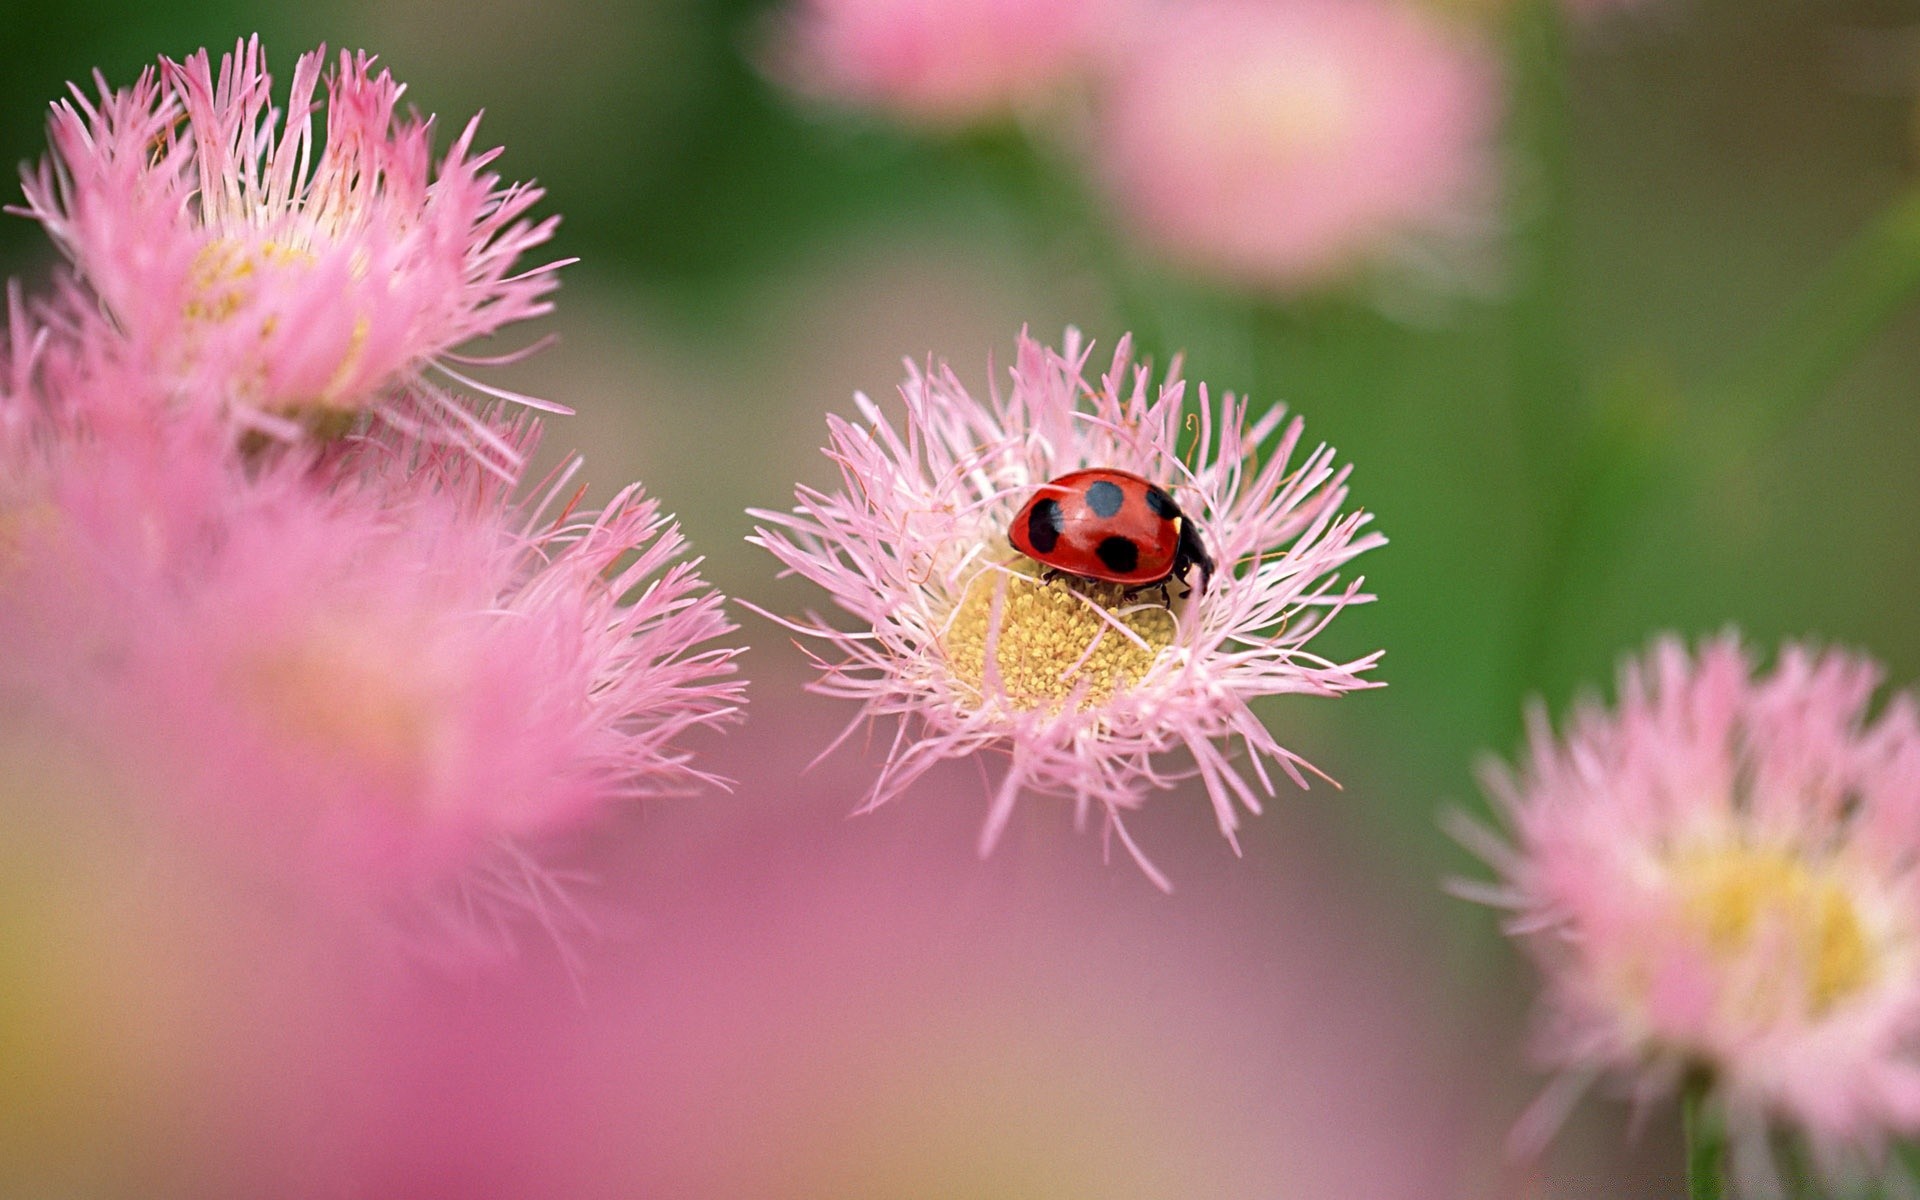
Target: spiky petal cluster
[(1087, 689), (1720, 880), (373, 677), (361, 668), (290, 274)]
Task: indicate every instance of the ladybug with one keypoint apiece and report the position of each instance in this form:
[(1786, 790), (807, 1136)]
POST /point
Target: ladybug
[(1111, 526)]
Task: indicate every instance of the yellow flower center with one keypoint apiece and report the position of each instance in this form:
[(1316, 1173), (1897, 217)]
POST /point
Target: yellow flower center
[(22, 523), (345, 696), (221, 283), (1741, 900), (222, 273), (1051, 641), (1308, 109)]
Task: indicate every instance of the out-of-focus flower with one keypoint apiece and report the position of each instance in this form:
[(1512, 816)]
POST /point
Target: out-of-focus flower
[(369, 670), (1038, 1034), (1288, 144), (1084, 686), (389, 700), (169, 1036), (1719, 880), (941, 63), (292, 277)]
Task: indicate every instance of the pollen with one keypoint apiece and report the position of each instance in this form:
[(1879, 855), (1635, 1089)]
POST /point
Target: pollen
[(220, 282), (1054, 642), (1746, 902), (227, 276)]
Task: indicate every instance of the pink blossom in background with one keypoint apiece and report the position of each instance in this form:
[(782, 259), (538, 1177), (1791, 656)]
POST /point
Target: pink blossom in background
[(941, 63), (1285, 145), (291, 274), (1719, 877), (1084, 692)]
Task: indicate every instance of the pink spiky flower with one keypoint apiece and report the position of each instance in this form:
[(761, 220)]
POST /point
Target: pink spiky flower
[(1085, 687), (369, 674), (1720, 881), (1286, 145), (423, 693), (292, 276)]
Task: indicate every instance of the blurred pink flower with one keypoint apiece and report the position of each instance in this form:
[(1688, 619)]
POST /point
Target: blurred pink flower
[(942, 63), (1082, 686), (1719, 880), (369, 671), (416, 691), (883, 1018), (291, 277), (1288, 144)]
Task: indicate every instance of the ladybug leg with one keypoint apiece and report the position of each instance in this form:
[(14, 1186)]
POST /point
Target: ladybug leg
[(1051, 576)]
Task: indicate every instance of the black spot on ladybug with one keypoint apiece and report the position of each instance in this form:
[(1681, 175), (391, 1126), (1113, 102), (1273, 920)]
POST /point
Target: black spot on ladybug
[(1044, 525), (1104, 498), (1157, 500), (1118, 554)]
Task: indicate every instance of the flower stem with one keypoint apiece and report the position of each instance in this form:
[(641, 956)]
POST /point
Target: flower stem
[(1706, 1146), (1545, 374), (1635, 450), (1871, 280), (1546, 369)]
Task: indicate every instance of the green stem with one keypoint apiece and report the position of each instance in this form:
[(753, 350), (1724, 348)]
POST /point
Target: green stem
[(1706, 1146), (1545, 360), (1544, 370), (1633, 455), (1866, 285)]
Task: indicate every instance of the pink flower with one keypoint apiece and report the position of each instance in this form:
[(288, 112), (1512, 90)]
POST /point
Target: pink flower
[(367, 674), (422, 692), (1084, 687), (93, 476), (1288, 144), (1719, 881), (292, 278), (941, 63)]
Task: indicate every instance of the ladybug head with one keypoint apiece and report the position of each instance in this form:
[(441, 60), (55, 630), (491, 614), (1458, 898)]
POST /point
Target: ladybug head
[(1192, 553)]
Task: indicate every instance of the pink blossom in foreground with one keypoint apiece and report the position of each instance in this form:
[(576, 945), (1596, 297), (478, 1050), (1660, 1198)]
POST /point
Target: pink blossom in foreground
[(1288, 144), (169, 1032), (423, 692), (940, 63), (295, 276), (369, 675), (1084, 689), (1719, 881)]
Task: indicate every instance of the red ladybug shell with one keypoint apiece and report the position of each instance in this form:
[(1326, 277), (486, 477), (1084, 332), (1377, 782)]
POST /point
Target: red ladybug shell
[(1108, 525)]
